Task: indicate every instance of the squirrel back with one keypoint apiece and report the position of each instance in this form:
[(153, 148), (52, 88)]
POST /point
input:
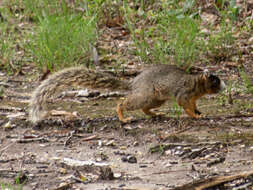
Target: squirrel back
[(73, 77)]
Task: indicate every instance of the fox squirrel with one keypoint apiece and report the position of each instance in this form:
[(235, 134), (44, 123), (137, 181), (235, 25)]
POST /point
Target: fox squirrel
[(150, 89)]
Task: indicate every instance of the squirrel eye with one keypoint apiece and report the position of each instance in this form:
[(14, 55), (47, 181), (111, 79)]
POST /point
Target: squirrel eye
[(215, 81)]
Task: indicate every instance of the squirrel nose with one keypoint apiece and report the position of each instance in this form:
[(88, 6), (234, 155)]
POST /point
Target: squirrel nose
[(222, 86)]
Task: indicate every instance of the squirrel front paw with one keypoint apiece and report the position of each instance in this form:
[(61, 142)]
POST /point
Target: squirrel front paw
[(197, 112)]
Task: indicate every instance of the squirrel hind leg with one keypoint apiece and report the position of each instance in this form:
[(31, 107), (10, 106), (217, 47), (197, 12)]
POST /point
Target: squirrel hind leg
[(148, 112), (133, 101), (153, 104)]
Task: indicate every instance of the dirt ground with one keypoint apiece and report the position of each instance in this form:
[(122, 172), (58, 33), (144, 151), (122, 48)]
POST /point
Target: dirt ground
[(96, 151)]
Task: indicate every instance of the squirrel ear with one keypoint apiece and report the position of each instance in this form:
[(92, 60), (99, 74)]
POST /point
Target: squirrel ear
[(205, 74), (205, 71)]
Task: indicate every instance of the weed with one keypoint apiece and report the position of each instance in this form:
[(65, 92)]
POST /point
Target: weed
[(63, 37), (220, 43), (159, 148), (1, 92), (229, 92), (177, 110), (229, 137), (174, 36), (141, 43), (183, 41), (246, 80), (7, 51), (7, 186)]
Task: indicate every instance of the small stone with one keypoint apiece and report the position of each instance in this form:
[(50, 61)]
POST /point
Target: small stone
[(173, 162), (124, 159), (168, 152), (168, 165), (110, 143), (83, 93), (117, 175), (62, 170), (136, 143), (7, 125), (122, 185), (123, 148), (98, 159), (100, 143), (132, 159)]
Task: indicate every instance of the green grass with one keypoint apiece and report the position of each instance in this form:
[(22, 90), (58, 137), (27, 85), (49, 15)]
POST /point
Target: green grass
[(172, 34), (247, 81), (173, 37), (6, 47), (63, 37), (60, 35), (7, 186), (63, 34), (230, 137)]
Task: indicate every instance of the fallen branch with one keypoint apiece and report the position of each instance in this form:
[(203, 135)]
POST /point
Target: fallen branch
[(212, 182), (227, 117), (167, 146), (92, 137), (41, 139)]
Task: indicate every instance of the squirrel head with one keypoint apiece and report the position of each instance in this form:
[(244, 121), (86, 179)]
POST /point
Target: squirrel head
[(213, 84)]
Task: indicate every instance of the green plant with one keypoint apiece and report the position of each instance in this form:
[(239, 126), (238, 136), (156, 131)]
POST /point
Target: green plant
[(5, 46), (220, 43), (7, 186), (137, 34), (246, 80), (184, 42), (12, 36), (175, 34), (1, 92), (233, 10), (177, 110), (181, 40), (9, 60), (63, 36)]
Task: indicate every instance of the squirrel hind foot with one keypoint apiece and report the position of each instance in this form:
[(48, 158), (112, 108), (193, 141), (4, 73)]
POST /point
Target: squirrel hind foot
[(127, 120), (152, 114), (148, 112)]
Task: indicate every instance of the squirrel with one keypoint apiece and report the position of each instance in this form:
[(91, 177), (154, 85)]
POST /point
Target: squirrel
[(149, 89)]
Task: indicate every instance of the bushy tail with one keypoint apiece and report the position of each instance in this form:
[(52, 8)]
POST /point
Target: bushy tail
[(74, 76)]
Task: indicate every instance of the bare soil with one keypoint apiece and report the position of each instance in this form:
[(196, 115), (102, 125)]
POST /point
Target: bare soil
[(149, 153)]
